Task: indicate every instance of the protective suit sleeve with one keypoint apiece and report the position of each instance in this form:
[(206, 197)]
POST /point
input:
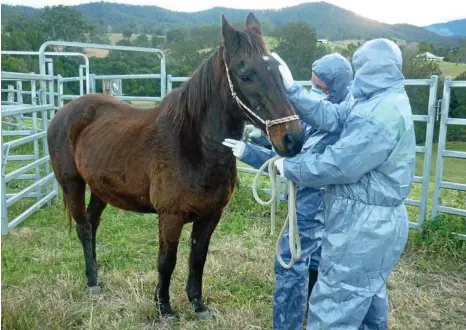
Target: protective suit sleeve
[(256, 156), (363, 146), (320, 114), (262, 141)]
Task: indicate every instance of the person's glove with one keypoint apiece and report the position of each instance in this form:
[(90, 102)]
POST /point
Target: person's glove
[(279, 164), (285, 72), (237, 146), (252, 131)]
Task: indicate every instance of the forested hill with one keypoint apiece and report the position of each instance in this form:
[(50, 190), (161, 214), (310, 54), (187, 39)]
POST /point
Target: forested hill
[(451, 28), (331, 22)]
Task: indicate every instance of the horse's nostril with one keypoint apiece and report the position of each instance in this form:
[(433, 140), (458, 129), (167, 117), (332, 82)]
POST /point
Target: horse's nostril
[(292, 142), (288, 141)]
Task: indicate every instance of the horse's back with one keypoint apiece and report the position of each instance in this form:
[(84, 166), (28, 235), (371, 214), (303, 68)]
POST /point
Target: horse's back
[(103, 141), (74, 116)]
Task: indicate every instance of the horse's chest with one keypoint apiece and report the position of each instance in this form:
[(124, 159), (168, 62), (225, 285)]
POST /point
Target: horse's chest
[(214, 189)]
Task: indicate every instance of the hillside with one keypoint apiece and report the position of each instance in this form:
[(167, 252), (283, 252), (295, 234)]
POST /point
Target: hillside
[(330, 22), (448, 29)]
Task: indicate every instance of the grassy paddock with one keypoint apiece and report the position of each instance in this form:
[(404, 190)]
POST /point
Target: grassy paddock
[(452, 69), (43, 281)]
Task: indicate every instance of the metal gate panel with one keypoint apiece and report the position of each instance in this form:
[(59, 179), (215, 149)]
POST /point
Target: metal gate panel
[(429, 119), (443, 153), (40, 190)]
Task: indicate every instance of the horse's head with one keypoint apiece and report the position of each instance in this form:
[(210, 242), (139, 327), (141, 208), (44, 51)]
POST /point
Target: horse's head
[(254, 78)]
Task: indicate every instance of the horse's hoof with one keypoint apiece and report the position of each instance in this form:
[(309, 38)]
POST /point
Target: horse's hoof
[(95, 289), (204, 316), (167, 314), (170, 318)]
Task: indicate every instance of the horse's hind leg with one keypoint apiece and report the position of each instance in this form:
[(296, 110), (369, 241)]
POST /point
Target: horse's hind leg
[(170, 227), (74, 193), (94, 210), (200, 239)]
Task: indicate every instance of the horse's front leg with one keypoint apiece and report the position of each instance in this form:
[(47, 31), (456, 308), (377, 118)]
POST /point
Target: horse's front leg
[(200, 239), (170, 227)]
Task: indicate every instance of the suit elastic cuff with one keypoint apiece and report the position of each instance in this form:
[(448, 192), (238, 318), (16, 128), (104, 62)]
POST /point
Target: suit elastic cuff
[(291, 170), (247, 150), (293, 89)]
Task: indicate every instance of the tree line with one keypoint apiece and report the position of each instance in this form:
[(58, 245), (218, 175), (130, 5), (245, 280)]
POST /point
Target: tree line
[(185, 50), (330, 22)]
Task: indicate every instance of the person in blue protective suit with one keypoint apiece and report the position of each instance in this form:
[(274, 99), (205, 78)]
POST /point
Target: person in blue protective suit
[(333, 74), (367, 175)]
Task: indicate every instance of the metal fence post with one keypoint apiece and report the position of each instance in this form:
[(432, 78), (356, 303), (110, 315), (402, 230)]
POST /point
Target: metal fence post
[(51, 88), (431, 110), (11, 100), (11, 94), (81, 78), (36, 130), (163, 78), (19, 100), (52, 114), (93, 87), (4, 209), (3, 183), (19, 90), (60, 91), (441, 144), (169, 83), (88, 78)]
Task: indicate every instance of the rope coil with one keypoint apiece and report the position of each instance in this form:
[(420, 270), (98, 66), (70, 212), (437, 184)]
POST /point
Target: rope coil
[(291, 220)]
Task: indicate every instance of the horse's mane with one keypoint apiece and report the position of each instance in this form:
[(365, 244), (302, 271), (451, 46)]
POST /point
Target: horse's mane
[(187, 104)]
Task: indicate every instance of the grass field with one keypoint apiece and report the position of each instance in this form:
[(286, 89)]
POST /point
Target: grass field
[(452, 69), (43, 280), (114, 38)]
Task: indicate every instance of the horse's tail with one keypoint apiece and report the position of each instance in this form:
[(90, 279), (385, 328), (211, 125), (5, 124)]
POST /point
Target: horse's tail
[(67, 212)]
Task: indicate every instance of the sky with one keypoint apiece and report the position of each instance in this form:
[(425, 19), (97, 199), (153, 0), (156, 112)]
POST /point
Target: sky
[(416, 12)]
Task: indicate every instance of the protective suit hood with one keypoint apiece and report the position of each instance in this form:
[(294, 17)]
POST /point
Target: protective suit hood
[(378, 65), (337, 73)]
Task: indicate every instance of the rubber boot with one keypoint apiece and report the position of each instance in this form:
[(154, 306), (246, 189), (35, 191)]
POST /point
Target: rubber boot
[(312, 281)]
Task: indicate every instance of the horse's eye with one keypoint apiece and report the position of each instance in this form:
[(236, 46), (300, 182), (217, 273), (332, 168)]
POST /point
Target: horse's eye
[(244, 78)]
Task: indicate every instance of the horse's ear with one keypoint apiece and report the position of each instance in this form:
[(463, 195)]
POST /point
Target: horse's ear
[(229, 34), (253, 24)]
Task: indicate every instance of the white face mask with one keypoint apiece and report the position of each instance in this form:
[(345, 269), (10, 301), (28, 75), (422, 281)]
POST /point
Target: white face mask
[(317, 94)]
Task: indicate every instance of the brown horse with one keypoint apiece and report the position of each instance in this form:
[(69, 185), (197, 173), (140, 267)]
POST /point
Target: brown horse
[(170, 160)]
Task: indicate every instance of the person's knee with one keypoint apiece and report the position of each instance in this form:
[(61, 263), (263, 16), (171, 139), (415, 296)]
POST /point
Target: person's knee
[(377, 315)]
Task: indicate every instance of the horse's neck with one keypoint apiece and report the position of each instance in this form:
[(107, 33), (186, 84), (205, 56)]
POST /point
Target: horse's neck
[(219, 124)]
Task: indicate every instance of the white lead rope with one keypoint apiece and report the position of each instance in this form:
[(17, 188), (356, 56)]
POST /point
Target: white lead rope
[(291, 219)]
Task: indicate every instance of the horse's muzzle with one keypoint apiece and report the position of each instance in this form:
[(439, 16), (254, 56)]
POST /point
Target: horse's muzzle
[(292, 143)]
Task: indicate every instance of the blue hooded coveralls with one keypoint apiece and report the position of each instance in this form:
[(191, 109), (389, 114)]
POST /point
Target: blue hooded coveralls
[(367, 175), (291, 286)]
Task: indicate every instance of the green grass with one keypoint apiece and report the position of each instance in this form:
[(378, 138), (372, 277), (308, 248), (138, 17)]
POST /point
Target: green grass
[(452, 69), (43, 281)]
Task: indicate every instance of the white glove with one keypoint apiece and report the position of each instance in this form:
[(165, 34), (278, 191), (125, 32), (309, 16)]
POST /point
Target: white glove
[(285, 72), (252, 131), (279, 164), (237, 146)]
